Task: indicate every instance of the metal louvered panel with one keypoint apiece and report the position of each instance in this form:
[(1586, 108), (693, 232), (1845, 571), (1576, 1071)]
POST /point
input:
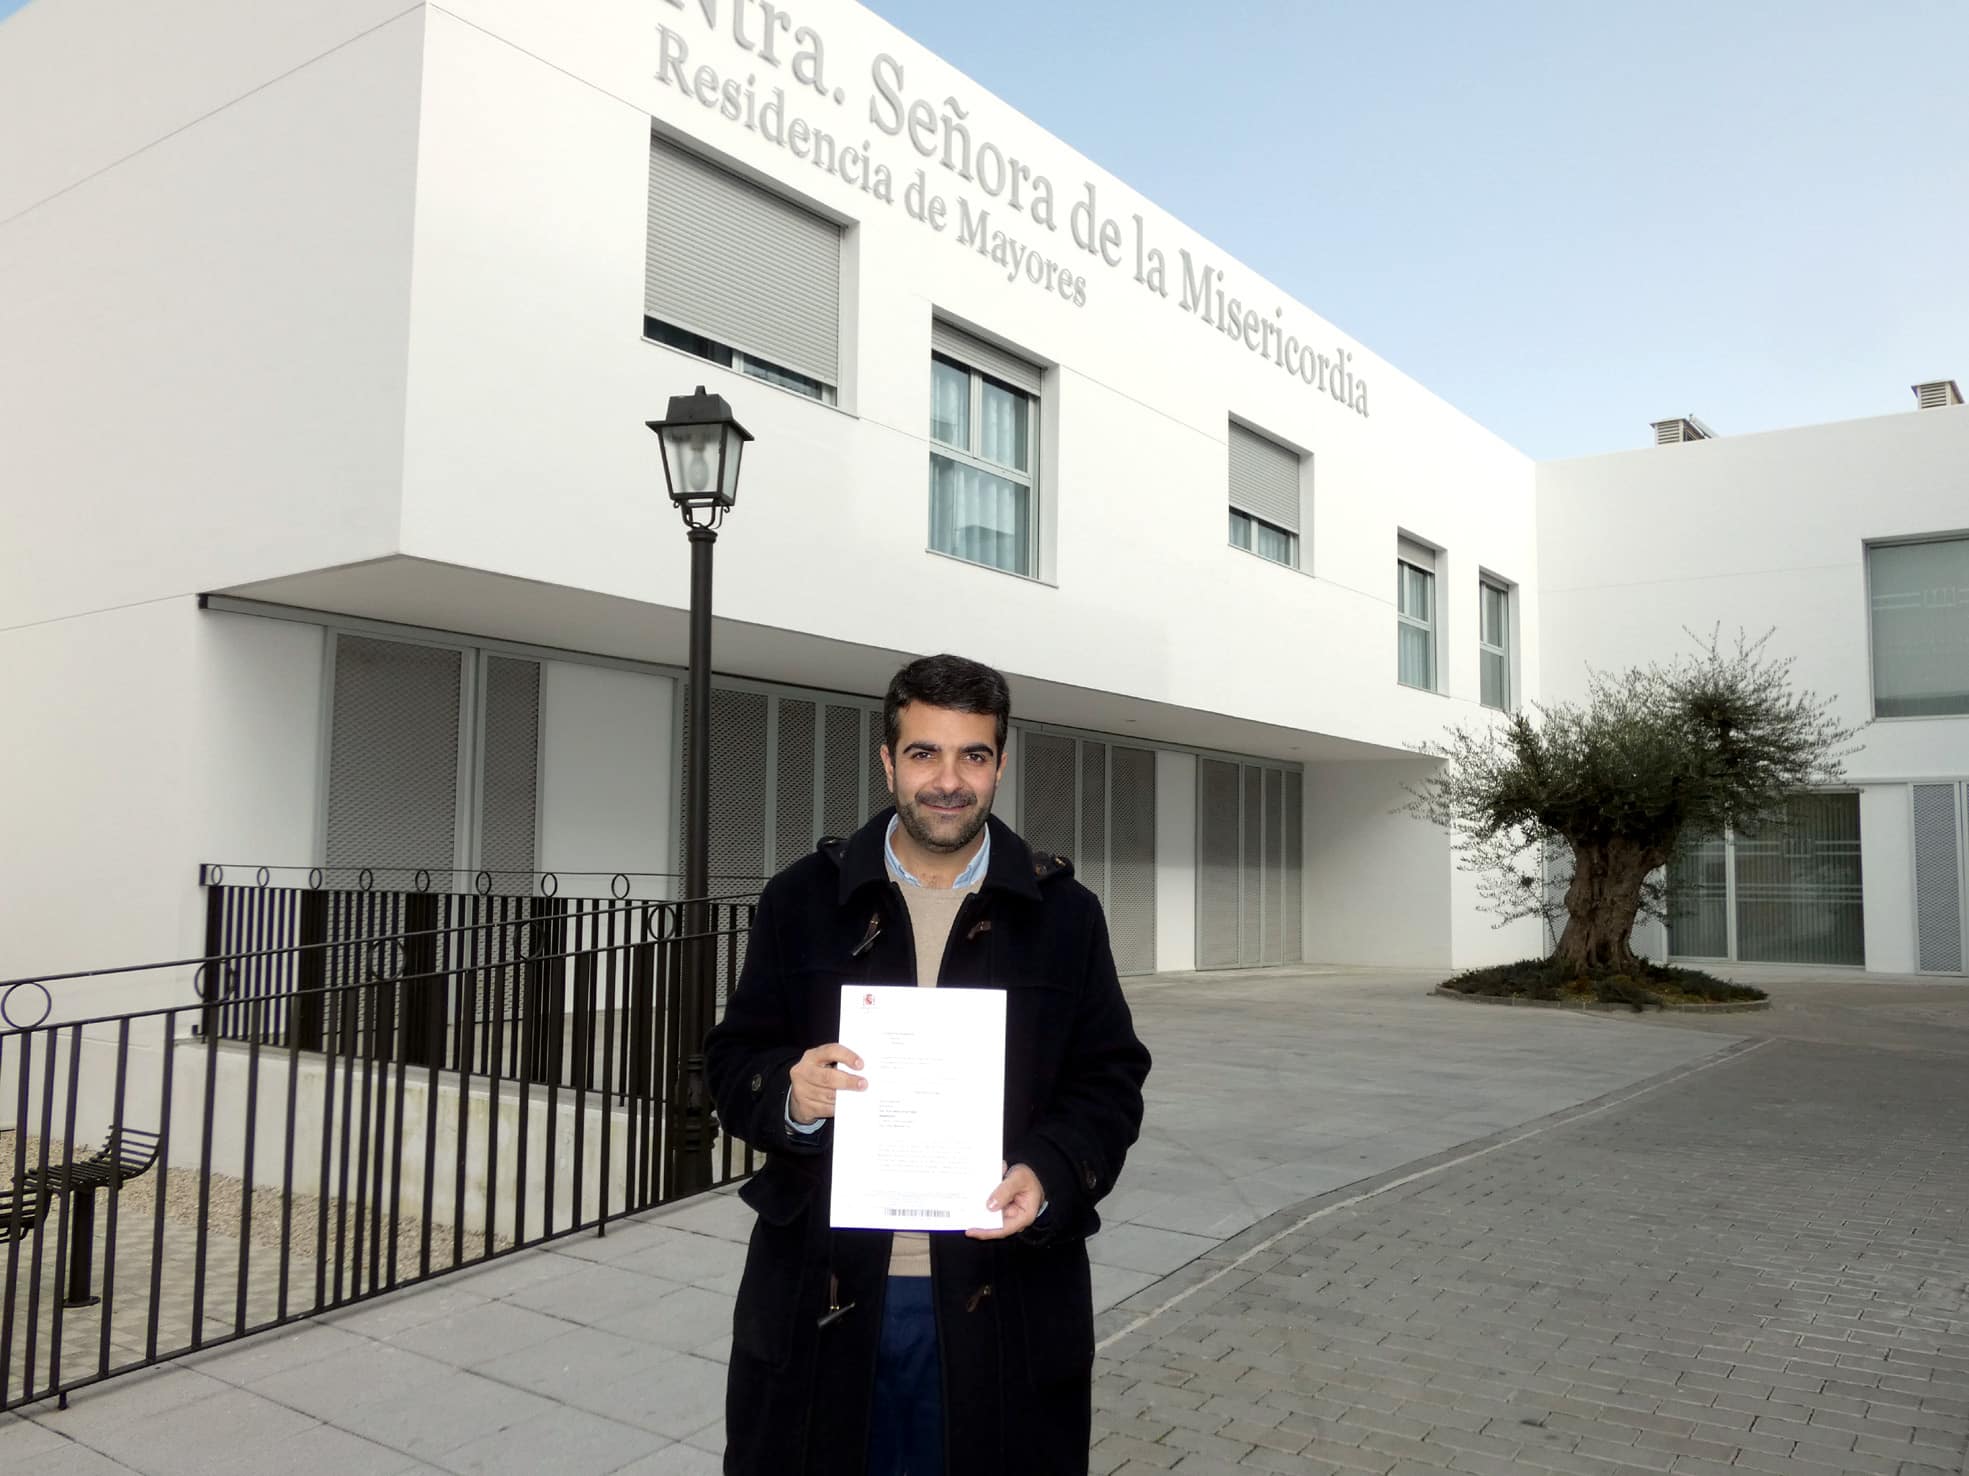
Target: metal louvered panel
[(1047, 795), (1798, 885), (1295, 868), (737, 844), (1264, 478), (393, 759), (509, 778), (738, 264), (840, 771), (986, 358), (793, 791), (1091, 864), (1274, 883), (871, 740), (1217, 856), (1130, 895), (1937, 879), (1251, 932)]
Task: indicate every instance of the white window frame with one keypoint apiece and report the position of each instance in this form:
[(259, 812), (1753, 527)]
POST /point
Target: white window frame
[(1503, 590), (1431, 626), (1869, 547), (968, 456), (1253, 522), (762, 371)]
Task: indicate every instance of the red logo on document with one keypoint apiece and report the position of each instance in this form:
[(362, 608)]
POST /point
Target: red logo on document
[(869, 1000)]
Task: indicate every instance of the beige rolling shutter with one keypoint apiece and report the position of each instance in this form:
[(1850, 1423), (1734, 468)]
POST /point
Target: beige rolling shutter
[(1264, 478), (986, 358), (741, 265)]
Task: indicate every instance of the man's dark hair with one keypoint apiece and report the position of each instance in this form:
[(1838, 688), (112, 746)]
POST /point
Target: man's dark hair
[(950, 682)]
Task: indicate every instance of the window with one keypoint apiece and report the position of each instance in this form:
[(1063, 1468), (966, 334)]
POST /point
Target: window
[(984, 445), (1494, 643), (1415, 606), (1259, 537), (1919, 593), (1264, 496), (730, 358), (741, 276)]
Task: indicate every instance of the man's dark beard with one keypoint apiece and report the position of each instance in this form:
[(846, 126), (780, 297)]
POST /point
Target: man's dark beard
[(910, 813)]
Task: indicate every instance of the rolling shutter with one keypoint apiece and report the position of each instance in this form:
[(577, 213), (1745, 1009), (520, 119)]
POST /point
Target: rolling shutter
[(742, 266), (1264, 478), (986, 358), (1419, 554)]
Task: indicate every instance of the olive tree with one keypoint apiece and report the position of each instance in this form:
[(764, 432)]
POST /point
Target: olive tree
[(1655, 757)]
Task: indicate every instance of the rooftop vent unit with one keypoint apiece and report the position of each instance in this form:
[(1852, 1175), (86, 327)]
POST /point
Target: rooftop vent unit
[(1936, 393), (1682, 428)]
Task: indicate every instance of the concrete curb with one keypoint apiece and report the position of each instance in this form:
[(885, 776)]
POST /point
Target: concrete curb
[(1721, 1007)]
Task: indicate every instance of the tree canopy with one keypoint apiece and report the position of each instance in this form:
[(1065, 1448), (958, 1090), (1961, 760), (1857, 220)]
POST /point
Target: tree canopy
[(1655, 757)]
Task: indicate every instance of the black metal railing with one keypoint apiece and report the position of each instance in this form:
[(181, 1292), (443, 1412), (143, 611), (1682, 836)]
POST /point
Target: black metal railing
[(354, 1092)]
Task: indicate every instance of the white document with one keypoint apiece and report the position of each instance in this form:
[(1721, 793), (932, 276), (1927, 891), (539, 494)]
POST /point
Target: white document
[(923, 1147)]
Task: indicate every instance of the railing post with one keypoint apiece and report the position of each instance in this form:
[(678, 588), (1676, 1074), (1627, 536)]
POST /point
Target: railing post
[(422, 1014), (311, 973), (215, 962)]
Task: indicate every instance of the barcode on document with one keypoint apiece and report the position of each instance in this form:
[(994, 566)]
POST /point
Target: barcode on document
[(917, 1214)]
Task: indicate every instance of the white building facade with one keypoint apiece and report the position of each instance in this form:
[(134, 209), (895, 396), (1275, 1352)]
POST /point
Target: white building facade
[(335, 538)]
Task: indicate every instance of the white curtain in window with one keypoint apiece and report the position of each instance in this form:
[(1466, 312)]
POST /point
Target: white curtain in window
[(1920, 596), (1002, 427), (1417, 636), (975, 515), (950, 404), (1494, 657), (1272, 543)]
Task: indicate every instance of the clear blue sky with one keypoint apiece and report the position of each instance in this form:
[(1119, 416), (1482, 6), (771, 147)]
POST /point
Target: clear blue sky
[(1566, 219)]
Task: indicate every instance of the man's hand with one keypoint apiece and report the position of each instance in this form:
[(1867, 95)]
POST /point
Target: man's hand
[(816, 1080), (1020, 1196)]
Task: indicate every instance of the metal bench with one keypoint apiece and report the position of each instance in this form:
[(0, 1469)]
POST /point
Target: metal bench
[(124, 1156), (21, 1209)]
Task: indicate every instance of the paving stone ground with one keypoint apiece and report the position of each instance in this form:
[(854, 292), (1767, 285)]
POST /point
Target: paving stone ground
[(1759, 1265), (1545, 1244)]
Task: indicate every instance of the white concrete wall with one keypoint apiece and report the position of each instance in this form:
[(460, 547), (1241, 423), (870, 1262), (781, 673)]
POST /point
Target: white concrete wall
[(1378, 884), (1477, 936), (1175, 862), (97, 757), (1758, 532), (1887, 877), (526, 453), (607, 772), (159, 737), (205, 382)]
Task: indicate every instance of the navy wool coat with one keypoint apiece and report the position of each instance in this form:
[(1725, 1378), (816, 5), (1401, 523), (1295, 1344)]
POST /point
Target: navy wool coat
[(1014, 1317)]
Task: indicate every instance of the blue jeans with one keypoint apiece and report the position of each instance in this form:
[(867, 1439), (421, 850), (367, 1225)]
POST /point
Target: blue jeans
[(906, 1431)]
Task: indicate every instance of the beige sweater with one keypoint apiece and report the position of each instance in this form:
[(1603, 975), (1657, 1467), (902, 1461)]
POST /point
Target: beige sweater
[(932, 910)]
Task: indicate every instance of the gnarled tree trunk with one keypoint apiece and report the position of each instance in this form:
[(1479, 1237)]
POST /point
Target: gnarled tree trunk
[(1601, 904)]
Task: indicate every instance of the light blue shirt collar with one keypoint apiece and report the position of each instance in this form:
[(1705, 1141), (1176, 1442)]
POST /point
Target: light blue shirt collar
[(967, 877)]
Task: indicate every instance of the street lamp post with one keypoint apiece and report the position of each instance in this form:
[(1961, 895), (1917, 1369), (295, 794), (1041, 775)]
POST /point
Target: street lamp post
[(702, 445)]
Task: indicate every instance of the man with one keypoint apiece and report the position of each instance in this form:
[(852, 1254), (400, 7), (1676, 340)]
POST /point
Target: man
[(862, 1351)]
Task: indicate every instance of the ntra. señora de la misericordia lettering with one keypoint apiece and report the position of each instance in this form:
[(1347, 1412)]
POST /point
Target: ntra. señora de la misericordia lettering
[(941, 133)]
